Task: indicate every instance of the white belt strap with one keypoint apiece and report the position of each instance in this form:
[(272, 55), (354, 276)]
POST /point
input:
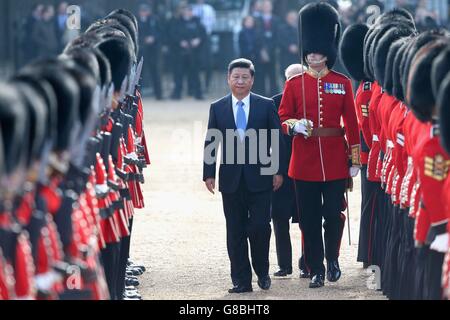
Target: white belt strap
[(389, 144), (401, 139)]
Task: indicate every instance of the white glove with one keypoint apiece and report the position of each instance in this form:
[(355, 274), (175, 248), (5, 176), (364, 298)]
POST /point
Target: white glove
[(301, 127), (354, 171), (440, 243)]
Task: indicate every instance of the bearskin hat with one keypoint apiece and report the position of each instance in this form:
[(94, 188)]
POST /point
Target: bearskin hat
[(443, 107), (13, 126), (397, 88), (67, 94), (440, 68), (420, 97), (37, 118), (418, 42), (351, 50), (382, 50), (319, 31)]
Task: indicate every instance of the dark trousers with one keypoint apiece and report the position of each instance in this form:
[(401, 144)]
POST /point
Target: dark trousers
[(319, 200), (247, 217), (186, 65), (407, 259), (370, 206), (110, 259), (152, 73), (266, 71), (283, 242), (123, 258), (433, 275)]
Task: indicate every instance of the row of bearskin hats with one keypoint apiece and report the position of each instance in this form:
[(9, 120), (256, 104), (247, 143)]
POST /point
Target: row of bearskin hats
[(55, 119), (45, 108), (411, 66)]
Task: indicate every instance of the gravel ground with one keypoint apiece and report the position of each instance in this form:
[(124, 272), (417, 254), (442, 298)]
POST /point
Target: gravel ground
[(180, 235)]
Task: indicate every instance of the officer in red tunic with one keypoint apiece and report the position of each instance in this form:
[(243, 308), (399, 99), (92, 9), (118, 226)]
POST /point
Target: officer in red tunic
[(324, 155)]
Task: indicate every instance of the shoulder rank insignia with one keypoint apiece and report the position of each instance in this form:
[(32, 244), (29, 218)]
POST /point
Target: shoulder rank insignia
[(365, 110), (437, 167), (367, 86)]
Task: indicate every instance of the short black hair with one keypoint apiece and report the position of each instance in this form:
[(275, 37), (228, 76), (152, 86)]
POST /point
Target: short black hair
[(241, 63)]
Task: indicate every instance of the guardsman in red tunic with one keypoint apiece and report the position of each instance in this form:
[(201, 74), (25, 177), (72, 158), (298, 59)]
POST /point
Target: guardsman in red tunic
[(385, 46), (441, 88), (432, 167), (352, 56), (324, 155)]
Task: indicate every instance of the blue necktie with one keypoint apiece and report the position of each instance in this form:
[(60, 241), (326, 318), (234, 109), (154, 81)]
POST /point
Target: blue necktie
[(241, 120)]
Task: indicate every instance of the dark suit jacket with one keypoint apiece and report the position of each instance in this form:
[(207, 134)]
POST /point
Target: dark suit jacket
[(283, 200), (263, 115)]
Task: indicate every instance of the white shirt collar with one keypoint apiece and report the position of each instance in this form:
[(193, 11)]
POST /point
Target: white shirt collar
[(246, 101)]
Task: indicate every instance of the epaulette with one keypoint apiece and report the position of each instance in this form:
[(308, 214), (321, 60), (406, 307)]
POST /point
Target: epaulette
[(340, 74), (367, 86), (295, 77)]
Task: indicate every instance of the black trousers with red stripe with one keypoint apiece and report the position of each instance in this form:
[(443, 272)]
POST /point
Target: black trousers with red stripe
[(317, 201)]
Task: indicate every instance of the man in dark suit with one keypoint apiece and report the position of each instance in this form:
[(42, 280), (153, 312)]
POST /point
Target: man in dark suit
[(284, 206), (242, 122)]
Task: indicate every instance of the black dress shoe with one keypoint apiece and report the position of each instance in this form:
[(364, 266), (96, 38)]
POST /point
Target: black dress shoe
[(240, 289), (133, 294), (282, 273), (333, 271), (135, 271), (264, 283), (317, 281), (131, 282), (132, 265), (304, 274)]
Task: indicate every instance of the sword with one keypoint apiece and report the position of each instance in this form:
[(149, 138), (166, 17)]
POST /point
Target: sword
[(131, 81), (123, 89), (348, 218), (139, 72)]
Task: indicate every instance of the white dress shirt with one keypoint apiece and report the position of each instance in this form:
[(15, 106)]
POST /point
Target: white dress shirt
[(246, 101)]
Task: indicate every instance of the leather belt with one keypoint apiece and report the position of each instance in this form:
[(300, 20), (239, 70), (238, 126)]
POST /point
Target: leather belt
[(327, 132)]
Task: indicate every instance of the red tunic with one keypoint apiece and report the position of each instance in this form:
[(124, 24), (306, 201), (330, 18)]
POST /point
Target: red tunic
[(328, 99), (362, 100), (385, 107), (375, 127), (432, 170), (411, 129)]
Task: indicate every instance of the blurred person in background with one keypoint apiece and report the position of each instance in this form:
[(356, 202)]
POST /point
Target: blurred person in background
[(288, 42), (150, 34), (207, 15), (256, 9), (61, 23), (426, 15), (28, 41), (188, 35), (268, 25), (44, 35), (249, 43)]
